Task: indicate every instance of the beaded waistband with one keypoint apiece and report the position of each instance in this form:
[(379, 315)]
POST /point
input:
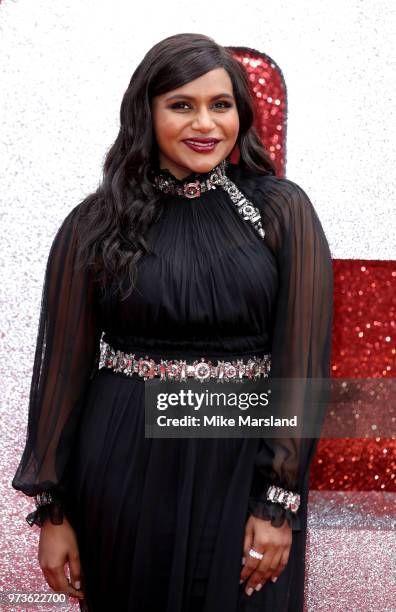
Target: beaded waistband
[(179, 370)]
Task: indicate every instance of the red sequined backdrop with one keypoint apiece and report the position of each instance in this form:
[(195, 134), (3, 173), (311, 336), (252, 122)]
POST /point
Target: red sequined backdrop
[(364, 309)]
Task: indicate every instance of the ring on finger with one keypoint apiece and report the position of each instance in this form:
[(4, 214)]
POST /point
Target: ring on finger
[(255, 554)]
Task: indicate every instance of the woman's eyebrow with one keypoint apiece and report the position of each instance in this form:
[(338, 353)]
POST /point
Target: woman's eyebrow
[(222, 95)]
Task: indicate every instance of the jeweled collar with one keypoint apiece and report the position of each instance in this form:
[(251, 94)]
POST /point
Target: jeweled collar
[(197, 182), (192, 185)]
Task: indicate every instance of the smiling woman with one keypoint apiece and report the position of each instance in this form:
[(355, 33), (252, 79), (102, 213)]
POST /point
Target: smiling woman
[(199, 130), (191, 266)]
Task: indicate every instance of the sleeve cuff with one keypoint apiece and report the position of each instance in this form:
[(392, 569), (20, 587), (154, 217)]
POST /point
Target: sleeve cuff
[(48, 507), (274, 512)]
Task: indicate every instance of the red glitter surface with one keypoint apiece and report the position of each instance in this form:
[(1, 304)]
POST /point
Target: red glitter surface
[(363, 347), (364, 309), (270, 102), (365, 319)]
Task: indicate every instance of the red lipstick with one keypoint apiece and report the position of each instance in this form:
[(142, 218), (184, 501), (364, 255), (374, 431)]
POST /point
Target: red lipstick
[(202, 145)]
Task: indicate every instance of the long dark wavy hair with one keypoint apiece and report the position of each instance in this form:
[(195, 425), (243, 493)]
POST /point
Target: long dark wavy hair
[(113, 221)]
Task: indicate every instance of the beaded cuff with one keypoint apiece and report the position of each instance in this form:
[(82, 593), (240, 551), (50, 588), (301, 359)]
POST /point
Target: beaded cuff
[(288, 499)]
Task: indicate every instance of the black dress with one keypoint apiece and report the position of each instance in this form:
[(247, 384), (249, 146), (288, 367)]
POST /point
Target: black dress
[(160, 522)]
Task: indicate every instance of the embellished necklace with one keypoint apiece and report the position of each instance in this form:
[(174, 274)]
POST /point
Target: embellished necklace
[(198, 182)]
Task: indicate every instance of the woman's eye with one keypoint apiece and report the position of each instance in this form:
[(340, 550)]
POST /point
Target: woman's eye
[(180, 104), (225, 104)]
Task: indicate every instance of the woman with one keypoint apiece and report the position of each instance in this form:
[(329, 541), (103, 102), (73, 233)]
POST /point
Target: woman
[(166, 262)]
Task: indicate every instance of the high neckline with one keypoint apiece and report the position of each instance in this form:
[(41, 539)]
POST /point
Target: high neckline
[(192, 185)]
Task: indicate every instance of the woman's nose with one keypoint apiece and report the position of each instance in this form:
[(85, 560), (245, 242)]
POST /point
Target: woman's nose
[(203, 120)]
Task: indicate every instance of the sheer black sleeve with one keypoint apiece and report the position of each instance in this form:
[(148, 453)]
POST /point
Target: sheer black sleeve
[(66, 356), (301, 342)]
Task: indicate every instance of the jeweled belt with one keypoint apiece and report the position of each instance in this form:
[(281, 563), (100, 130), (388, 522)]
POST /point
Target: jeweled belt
[(179, 370)]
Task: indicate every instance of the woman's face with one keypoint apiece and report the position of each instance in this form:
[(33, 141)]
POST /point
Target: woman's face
[(203, 108)]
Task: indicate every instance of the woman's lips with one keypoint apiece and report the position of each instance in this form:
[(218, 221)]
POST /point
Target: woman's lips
[(201, 147)]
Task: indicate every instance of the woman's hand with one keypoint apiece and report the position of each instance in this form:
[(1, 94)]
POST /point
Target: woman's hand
[(58, 545), (274, 543)]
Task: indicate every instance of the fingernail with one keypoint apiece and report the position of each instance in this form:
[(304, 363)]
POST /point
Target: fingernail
[(274, 579), (243, 560), (258, 587), (249, 591), (77, 585)]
